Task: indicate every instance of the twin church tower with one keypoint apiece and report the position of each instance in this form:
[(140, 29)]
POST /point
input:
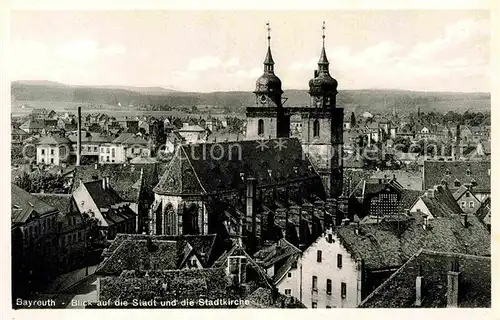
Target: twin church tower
[(321, 121)]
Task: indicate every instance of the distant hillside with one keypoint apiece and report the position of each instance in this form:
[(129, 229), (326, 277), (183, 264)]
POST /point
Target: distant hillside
[(353, 100)]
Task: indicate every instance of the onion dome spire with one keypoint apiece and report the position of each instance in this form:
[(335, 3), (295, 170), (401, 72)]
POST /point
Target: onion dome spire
[(323, 83), (268, 82)]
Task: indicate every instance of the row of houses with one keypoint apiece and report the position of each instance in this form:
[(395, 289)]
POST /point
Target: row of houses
[(96, 148)]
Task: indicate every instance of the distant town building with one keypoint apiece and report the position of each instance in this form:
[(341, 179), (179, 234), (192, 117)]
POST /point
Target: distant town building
[(53, 150)]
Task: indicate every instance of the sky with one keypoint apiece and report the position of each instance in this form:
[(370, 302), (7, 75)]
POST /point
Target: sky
[(206, 51)]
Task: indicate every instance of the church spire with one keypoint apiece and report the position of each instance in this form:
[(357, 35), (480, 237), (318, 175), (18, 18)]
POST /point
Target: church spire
[(323, 60), (269, 62)]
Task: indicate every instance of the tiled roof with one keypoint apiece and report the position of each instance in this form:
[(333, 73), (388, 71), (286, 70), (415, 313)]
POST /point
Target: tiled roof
[(123, 179), (204, 245), (263, 298), (391, 243), (474, 287), (103, 198), (441, 203), (54, 140), (193, 284), (194, 170), (484, 211), (408, 199), (24, 204), (61, 202), (286, 266), (280, 250), (437, 172), (17, 131), (129, 139), (155, 255), (32, 124)]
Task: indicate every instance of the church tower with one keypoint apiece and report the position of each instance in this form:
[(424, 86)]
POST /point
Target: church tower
[(322, 127), (267, 118)]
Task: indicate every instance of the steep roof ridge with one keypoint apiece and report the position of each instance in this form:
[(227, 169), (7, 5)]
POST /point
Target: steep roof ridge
[(393, 275), (194, 171)]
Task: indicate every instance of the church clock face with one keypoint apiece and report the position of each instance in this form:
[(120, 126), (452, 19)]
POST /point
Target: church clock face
[(263, 99)]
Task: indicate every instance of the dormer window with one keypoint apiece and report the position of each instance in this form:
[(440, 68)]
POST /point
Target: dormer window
[(468, 172), (448, 172), (456, 183), (473, 182)]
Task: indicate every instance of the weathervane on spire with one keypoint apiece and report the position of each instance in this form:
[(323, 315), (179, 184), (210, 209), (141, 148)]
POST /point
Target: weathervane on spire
[(323, 28), (268, 33)]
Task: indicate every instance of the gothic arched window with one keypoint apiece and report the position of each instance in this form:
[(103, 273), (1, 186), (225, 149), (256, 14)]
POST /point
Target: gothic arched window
[(316, 128), (260, 129), (170, 221)]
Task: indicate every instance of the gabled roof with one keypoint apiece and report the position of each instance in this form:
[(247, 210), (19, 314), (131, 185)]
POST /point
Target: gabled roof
[(193, 170), (24, 205), (203, 245), (123, 179), (155, 255), (437, 172), (236, 250), (461, 191), (17, 131), (62, 202), (54, 140), (129, 139), (32, 124), (390, 244), (484, 211), (441, 202), (103, 198), (474, 287), (280, 250)]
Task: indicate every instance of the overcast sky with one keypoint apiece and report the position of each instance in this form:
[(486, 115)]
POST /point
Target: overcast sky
[(224, 50)]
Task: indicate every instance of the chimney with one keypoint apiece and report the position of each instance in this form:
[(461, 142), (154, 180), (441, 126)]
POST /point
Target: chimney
[(430, 193), (79, 138), (104, 183), (452, 292), (418, 287), (464, 219), (251, 203), (356, 228)]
